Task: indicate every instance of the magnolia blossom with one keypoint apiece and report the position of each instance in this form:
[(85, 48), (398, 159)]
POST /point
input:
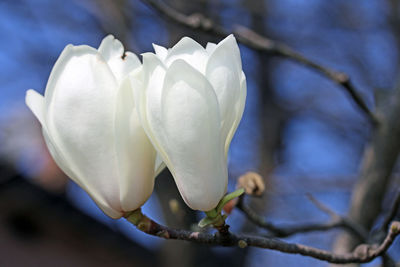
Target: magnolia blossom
[(190, 101), (91, 127)]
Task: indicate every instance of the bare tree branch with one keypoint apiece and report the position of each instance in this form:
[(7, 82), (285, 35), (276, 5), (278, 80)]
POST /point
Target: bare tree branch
[(363, 253), (380, 157), (253, 40), (336, 221), (392, 213), (357, 229), (322, 207)]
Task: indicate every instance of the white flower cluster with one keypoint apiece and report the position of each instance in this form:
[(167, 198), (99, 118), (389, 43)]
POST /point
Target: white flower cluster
[(112, 124)]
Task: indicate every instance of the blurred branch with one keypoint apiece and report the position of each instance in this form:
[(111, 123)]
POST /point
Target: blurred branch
[(377, 235), (363, 253), (336, 221), (379, 160), (392, 213), (112, 17), (358, 230), (253, 40)]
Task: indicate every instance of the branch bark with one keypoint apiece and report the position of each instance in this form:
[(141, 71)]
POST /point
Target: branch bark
[(363, 253), (279, 231), (392, 213), (378, 162)]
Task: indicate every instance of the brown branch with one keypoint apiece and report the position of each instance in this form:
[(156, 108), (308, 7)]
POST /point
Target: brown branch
[(255, 41), (322, 207), (377, 235), (357, 229), (353, 227), (379, 160), (363, 253), (392, 213), (337, 221), (279, 231)]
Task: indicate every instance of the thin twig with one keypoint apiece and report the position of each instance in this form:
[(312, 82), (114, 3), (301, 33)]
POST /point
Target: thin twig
[(279, 231), (379, 234), (358, 230), (253, 40), (363, 253), (322, 207), (392, 213)]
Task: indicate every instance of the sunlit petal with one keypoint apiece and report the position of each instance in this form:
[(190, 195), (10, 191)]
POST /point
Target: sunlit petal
[(120, 64), (223, 73), (35, 102), (189, 132), (135, 154), (190, 51), (161, 51), (80, 118)]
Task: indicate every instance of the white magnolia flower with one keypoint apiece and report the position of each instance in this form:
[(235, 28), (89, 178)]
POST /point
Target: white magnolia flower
[(190, 105), (91, 127)]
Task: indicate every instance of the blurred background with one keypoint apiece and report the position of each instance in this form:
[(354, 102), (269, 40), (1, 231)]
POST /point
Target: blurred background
[(300, 131)]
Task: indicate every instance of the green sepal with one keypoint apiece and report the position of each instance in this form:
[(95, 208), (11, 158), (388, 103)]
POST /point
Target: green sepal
[(214, 216), (227, 198), (135, 217), (206, 221)]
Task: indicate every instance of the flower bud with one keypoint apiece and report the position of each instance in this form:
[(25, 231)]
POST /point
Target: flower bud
[(190, 101), (91, 127)]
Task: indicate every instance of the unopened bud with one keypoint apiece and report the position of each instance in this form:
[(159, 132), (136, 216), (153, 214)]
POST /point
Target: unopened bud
[(252, 183), (242, 244)]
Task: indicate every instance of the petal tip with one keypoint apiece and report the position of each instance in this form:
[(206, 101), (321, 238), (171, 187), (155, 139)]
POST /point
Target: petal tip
[(109, 37), (35, 102), (149, 59), (147, 54), (186, 42)]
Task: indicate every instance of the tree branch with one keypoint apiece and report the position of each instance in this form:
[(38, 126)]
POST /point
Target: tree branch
[(355, 228), (379, 160), (336, 221), (363, 253), (392, 213), (255, 41)]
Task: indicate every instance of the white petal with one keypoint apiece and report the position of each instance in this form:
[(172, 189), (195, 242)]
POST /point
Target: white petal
[(80, 102), (136, 80), (110, 48), (223, 73), (112, 51), (151, 66), (231, 45), (140, 98), (136, 155), (64, 165), (149, 102), (161, 51), (189, 133), (190, 51), (35, 102), (129, 63), (159, 166), (210, 47), (238, 112)]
